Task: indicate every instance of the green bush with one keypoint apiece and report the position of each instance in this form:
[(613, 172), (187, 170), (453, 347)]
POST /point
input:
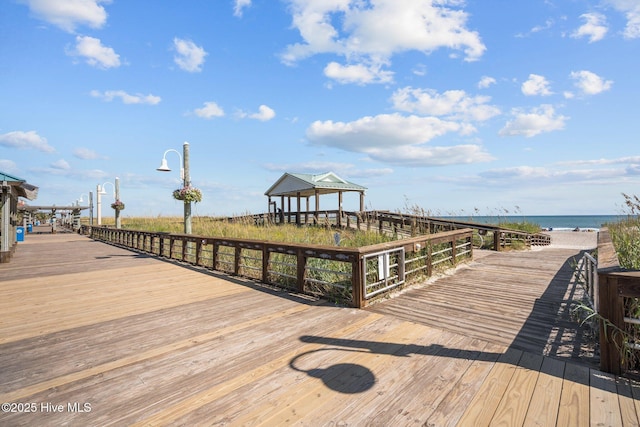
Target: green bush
[(625, 235)]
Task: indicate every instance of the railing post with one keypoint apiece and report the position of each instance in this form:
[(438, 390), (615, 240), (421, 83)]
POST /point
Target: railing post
[(265, 263), (236, 259), (496, 240), (301, 269), (357, 282), (183, 251), (454, 240), (611, 308)]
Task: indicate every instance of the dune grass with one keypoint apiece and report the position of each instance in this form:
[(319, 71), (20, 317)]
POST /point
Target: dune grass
[(246, 229), (625, 234)]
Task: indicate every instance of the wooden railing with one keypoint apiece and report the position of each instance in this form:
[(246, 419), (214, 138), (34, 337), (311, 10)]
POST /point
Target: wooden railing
[(587, 271), (353, 276), (405, 225), (617, 290)]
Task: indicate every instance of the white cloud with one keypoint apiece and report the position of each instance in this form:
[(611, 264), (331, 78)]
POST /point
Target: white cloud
[(399, 139), (8, 166), (239, 6), (453, 104), (210, 109), (619, 160), (590, 83), (595, 27), (631, 9), (358, 73), (61, 164), (345, 170), (59, 169), (485, 82), (517, 172), (536, 85), (264, 114), (535, 176), (68, 14), (372, 32), (536, 121), (95, 53), (189, 57), (126, 98), (548, 24), (26, 140), (86, 154), (420, 156)]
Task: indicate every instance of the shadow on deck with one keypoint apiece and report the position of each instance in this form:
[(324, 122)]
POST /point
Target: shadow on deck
[(148, 342)]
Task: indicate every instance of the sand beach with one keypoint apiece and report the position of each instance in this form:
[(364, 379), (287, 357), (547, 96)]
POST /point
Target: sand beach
[(573, 239)]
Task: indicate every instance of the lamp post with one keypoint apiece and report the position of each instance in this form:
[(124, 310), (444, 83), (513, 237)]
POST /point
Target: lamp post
[(117, 211), (90, 197), (100, 190), (186, 180)]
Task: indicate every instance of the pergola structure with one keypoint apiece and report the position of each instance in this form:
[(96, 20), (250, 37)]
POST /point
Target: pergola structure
[(53, 209), (301, 185), (11, 189)]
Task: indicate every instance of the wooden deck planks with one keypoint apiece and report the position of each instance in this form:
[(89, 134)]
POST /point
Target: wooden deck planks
[(503, 298), (482, 408), (171, 345), (544, 404), (574, 401)]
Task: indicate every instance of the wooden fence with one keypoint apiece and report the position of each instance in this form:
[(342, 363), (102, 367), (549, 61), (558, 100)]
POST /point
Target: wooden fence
[(405, 225), (354, 276), (618, 293)]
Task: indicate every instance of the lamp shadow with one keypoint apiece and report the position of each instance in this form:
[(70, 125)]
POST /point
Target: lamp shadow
[(352, 378)]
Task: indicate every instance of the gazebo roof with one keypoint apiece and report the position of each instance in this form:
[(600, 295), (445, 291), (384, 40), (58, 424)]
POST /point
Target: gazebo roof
[(292, 184), (20, 186)]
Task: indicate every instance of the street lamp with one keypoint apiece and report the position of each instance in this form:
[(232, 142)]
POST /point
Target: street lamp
[(90, 198), (184, 176), (101, 190), (80, 199)]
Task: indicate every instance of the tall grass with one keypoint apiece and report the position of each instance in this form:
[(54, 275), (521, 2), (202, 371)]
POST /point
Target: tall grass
[(247, 229), (529, 227), (625, 234)]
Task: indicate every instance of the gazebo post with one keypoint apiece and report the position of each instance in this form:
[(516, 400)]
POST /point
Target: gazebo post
[(306, 213), (361, 209), (339, 208), (281, 209), (317, 194), (298, 212), (269, 207)]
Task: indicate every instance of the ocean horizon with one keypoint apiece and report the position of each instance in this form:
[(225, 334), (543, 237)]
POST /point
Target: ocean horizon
[(549, 222)]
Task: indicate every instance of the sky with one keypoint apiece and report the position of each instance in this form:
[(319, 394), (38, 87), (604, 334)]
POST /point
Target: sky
[(451, 107)]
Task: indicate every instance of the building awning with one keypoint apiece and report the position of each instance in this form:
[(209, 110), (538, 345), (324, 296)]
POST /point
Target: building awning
[(19, 186)]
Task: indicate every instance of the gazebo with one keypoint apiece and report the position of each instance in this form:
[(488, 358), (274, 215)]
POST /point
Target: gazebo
[(11, 188), (302, 185)]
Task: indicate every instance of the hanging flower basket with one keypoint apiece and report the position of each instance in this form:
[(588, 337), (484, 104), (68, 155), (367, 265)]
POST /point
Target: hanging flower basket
[(117, 205), (188, 194)]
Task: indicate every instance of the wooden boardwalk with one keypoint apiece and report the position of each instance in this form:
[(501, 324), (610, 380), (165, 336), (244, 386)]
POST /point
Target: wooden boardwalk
[(91, 334)]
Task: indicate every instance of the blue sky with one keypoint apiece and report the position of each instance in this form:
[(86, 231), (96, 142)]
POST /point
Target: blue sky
[(450, 106)]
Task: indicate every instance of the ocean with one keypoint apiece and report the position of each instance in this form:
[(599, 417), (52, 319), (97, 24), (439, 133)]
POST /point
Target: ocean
[(553, 222)]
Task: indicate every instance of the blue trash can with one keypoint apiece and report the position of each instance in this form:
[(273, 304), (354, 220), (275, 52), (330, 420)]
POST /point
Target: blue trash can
[(20, 234), (29, 228)]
